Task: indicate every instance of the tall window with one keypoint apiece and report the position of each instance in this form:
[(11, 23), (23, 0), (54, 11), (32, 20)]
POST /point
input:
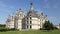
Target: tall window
[(30, 22), (27, 26), (30, 26), (27, 18), (30, 17), (27, 22)]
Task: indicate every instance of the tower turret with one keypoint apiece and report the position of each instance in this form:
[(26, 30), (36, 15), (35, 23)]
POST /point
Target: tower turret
[(31, 6)]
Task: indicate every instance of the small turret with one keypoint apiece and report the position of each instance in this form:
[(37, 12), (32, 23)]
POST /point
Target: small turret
[(11, 16), (42, 13), (46, 15), (18, 11)]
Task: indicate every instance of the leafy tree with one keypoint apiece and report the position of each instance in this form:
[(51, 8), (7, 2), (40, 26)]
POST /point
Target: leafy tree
[(59, 25), (48, 26)]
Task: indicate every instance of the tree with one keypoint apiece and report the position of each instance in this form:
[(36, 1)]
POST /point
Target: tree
[(59, 25), (48, 26)]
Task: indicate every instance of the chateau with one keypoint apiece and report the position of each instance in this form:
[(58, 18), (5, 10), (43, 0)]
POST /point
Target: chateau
[(30, 20)]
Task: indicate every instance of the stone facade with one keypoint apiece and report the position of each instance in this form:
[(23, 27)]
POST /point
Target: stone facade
[(10, 21), (30, 20), (57, 26)]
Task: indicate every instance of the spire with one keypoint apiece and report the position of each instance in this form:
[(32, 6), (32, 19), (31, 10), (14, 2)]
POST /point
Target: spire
[(31, 6)]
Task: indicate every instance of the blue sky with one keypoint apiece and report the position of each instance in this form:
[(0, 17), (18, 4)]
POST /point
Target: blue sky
[(48, 7)]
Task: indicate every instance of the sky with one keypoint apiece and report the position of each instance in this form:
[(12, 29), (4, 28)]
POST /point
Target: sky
[(51, 8)]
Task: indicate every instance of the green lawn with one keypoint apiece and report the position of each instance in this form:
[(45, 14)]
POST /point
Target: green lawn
[(32, 32)]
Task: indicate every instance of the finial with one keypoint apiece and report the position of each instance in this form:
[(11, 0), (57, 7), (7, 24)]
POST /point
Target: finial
[(19, 8), (31, 3)]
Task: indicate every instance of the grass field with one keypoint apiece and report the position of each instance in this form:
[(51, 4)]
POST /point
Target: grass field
[(32, 32)]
